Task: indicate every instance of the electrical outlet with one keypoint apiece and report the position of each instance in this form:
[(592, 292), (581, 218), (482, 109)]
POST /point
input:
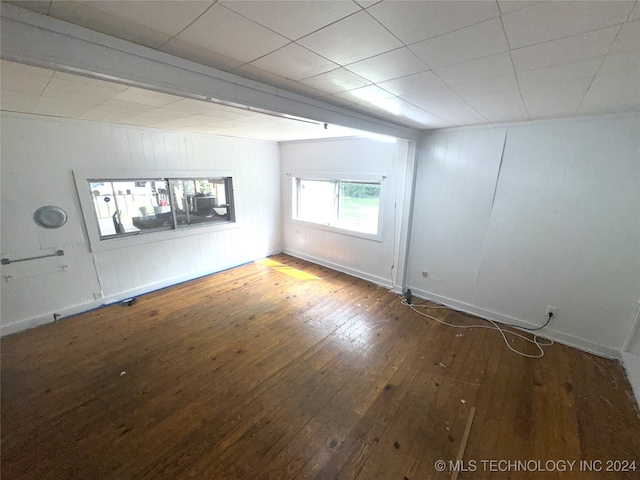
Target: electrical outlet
[(425, 274), (551, 309)]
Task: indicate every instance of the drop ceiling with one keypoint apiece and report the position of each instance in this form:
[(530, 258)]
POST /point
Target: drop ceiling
[(422, 64), (28, 89)]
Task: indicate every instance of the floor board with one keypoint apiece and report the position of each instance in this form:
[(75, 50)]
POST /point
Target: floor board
[(254, 373)]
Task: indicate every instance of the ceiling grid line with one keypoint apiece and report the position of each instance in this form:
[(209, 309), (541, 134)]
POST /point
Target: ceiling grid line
[(192, 22), (600, 66), (515, 73), (389, 60)]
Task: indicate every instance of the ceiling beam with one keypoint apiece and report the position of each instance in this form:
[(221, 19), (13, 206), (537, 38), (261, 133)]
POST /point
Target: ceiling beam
[(42, 41)]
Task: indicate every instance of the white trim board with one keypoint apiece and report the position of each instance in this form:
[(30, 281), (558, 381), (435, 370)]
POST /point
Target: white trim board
[(631, 364), (634, 327), (571, 341), (559, 337), (383, 282)]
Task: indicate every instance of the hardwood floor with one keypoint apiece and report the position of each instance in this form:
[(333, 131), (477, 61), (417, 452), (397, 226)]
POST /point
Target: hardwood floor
[(255, 373)]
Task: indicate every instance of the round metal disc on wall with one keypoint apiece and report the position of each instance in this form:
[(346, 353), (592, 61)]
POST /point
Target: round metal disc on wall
[(50, 216)]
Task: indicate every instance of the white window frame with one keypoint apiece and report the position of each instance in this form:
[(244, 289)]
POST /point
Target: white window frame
[(97, 244), (339, 177)]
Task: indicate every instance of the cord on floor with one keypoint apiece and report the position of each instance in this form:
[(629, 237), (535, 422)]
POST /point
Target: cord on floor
[(493, 326)]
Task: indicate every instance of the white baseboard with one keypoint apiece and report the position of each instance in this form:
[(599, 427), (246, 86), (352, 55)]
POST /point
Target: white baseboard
[(169, 282), (631, 363), (559, 337), (85, 307), (43, 319), (383, 282), (565, 339)]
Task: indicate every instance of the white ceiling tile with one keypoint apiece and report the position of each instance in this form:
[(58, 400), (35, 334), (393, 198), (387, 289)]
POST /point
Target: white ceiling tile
[(171, 113), (505, 106), (188, 105), (162, 16), (220, 112), (623, 66), (91, 82), (180, 123), (560, 74), (40, 6), (444, 103), (141, 122), (351, 39), (342, 102), (83, 91), (59, 96), (133, 108), (616, 86), (483, 88), (603, 102), (103, 113), (302, 89), (61, 108), (628, 38), (335, 81), (294, 62), (293, 19), (370, 93), (24, 78), (224, 31), (146, 97), (390, 65), (254, 73), (367, 3), (509, 5), (547, 21), (480, 40), (203, 56), (149, 118), (414, 21), (565, 50), (86, 15), (419, 82), (406, 113), (554, 101), (16, 68), (209, 120), (17, 101), (479, 69), (185, 114)]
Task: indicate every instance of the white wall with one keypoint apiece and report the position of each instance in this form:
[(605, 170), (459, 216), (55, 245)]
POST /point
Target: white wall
[(38, 156), (563, 228), (365, 258)]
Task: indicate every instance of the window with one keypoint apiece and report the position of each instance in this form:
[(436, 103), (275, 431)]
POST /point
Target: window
[(201, 200), (130, 207), (343, 204)]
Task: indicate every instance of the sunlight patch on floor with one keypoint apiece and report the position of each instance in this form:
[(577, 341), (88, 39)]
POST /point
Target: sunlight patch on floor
[(292, 272)]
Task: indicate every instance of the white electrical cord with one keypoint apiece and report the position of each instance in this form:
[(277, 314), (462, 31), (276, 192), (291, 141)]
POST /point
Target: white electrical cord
[(495, 326)]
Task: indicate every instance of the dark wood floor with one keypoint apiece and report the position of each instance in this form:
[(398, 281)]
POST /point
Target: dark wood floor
[(254, 373)]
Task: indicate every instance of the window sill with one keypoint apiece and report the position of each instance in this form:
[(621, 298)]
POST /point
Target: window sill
[(376, 237), (143, 238)]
